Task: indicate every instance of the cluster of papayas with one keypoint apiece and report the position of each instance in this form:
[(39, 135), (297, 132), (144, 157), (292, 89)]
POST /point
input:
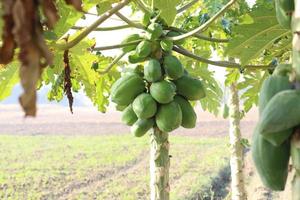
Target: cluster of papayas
[(157, 92), (279, 111)]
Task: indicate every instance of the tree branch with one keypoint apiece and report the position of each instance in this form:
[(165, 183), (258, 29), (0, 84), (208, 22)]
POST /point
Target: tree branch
[(112, 28), (199, 36), (89, 29), (129, 22), (115, 61), (142, 6), (205, 25), (226, 64), (187, 6), (116, 46)]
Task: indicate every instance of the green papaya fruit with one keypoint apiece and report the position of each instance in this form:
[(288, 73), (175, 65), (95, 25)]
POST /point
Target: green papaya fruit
[(162, 91), (174, 34), (144, 106), (296, 187), (142, 126), (154, 31), (120, 107), (125, 89), (287, 5), (168, 117), (189, 116), (191, 88), (225, 112), (281, 113), (283, 70), (270, 87), (153, 71), (134, 58), (144, 49), (146, 18), (173, 67), (271, 161), (128, 116), (295, 151), (166, 45), (128, 39), (283, 18)]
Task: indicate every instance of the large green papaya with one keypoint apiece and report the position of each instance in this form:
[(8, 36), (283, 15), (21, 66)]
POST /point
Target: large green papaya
[(162, 91), (283, 18), (144, 49), (128, 39), (134, 58), (168, 117), (270, 161), (144, 106), (283, 70), (152, 71), (173, 67), (271, 86), (154, 31), (191, 88), (189, 116), (281, 113), (142, 126), (166, 45), (125, 89), (128, 116)]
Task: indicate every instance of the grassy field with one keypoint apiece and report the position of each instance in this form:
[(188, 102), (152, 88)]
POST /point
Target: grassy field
[(104, 167)]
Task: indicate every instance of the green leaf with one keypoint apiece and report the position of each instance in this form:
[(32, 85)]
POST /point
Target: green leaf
[(167, 8), (9, 77), (252, 39)]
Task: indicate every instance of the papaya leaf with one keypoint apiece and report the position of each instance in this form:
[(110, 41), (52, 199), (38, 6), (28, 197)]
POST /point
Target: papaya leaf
[(9, 77), (251, 39), (167, 8)]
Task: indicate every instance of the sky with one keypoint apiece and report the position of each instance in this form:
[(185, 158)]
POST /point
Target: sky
[(102, 39)]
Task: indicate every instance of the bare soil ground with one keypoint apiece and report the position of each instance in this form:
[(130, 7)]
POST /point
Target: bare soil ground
[(53, 120)]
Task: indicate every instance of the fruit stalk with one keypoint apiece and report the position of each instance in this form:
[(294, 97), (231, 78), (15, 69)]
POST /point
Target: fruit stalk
[(159, 165), (236, 147)]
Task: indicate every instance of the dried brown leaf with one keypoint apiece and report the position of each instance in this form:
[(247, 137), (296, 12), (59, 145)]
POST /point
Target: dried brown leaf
[(50, 11), (77, 4)]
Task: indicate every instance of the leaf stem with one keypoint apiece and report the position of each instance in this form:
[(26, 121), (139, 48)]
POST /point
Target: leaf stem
[(187, 6), (115, 61), (117, 46), (111, 28), (226, 64), (89, 29), (142, 6), (205, 25), (129, 22), (199, 36)]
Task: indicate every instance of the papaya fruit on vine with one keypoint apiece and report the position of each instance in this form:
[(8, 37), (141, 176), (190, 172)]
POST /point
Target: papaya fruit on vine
[(142, 126), (168, 117), (225, 112), (128, 116), (281, 113), (144, 106), (270, 87), (128, 39), (191, 88), (173, 67), (283, 17), (283, 70), (125, 89), (189, 116), (174, 34), (153, 71), (271, 161), (154, 31), (144, 49), (166, 45), (134, 58), (163, 91)]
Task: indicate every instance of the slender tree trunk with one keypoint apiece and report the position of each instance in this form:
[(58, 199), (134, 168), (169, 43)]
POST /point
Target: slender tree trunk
[(236, 148), (159, 165)]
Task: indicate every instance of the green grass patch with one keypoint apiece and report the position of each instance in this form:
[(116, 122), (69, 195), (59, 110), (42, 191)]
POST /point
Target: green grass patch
[(102, 167)]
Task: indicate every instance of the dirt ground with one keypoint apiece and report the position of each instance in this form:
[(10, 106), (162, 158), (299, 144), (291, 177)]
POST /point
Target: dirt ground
[(88, 121)]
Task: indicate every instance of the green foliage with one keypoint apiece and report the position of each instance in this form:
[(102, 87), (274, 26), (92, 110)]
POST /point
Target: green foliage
[(256, 34), (9, 76), (167, 9)]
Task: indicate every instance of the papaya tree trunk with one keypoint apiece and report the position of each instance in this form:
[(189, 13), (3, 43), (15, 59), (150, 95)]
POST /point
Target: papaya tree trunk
[(159, 165), (236, 147)]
